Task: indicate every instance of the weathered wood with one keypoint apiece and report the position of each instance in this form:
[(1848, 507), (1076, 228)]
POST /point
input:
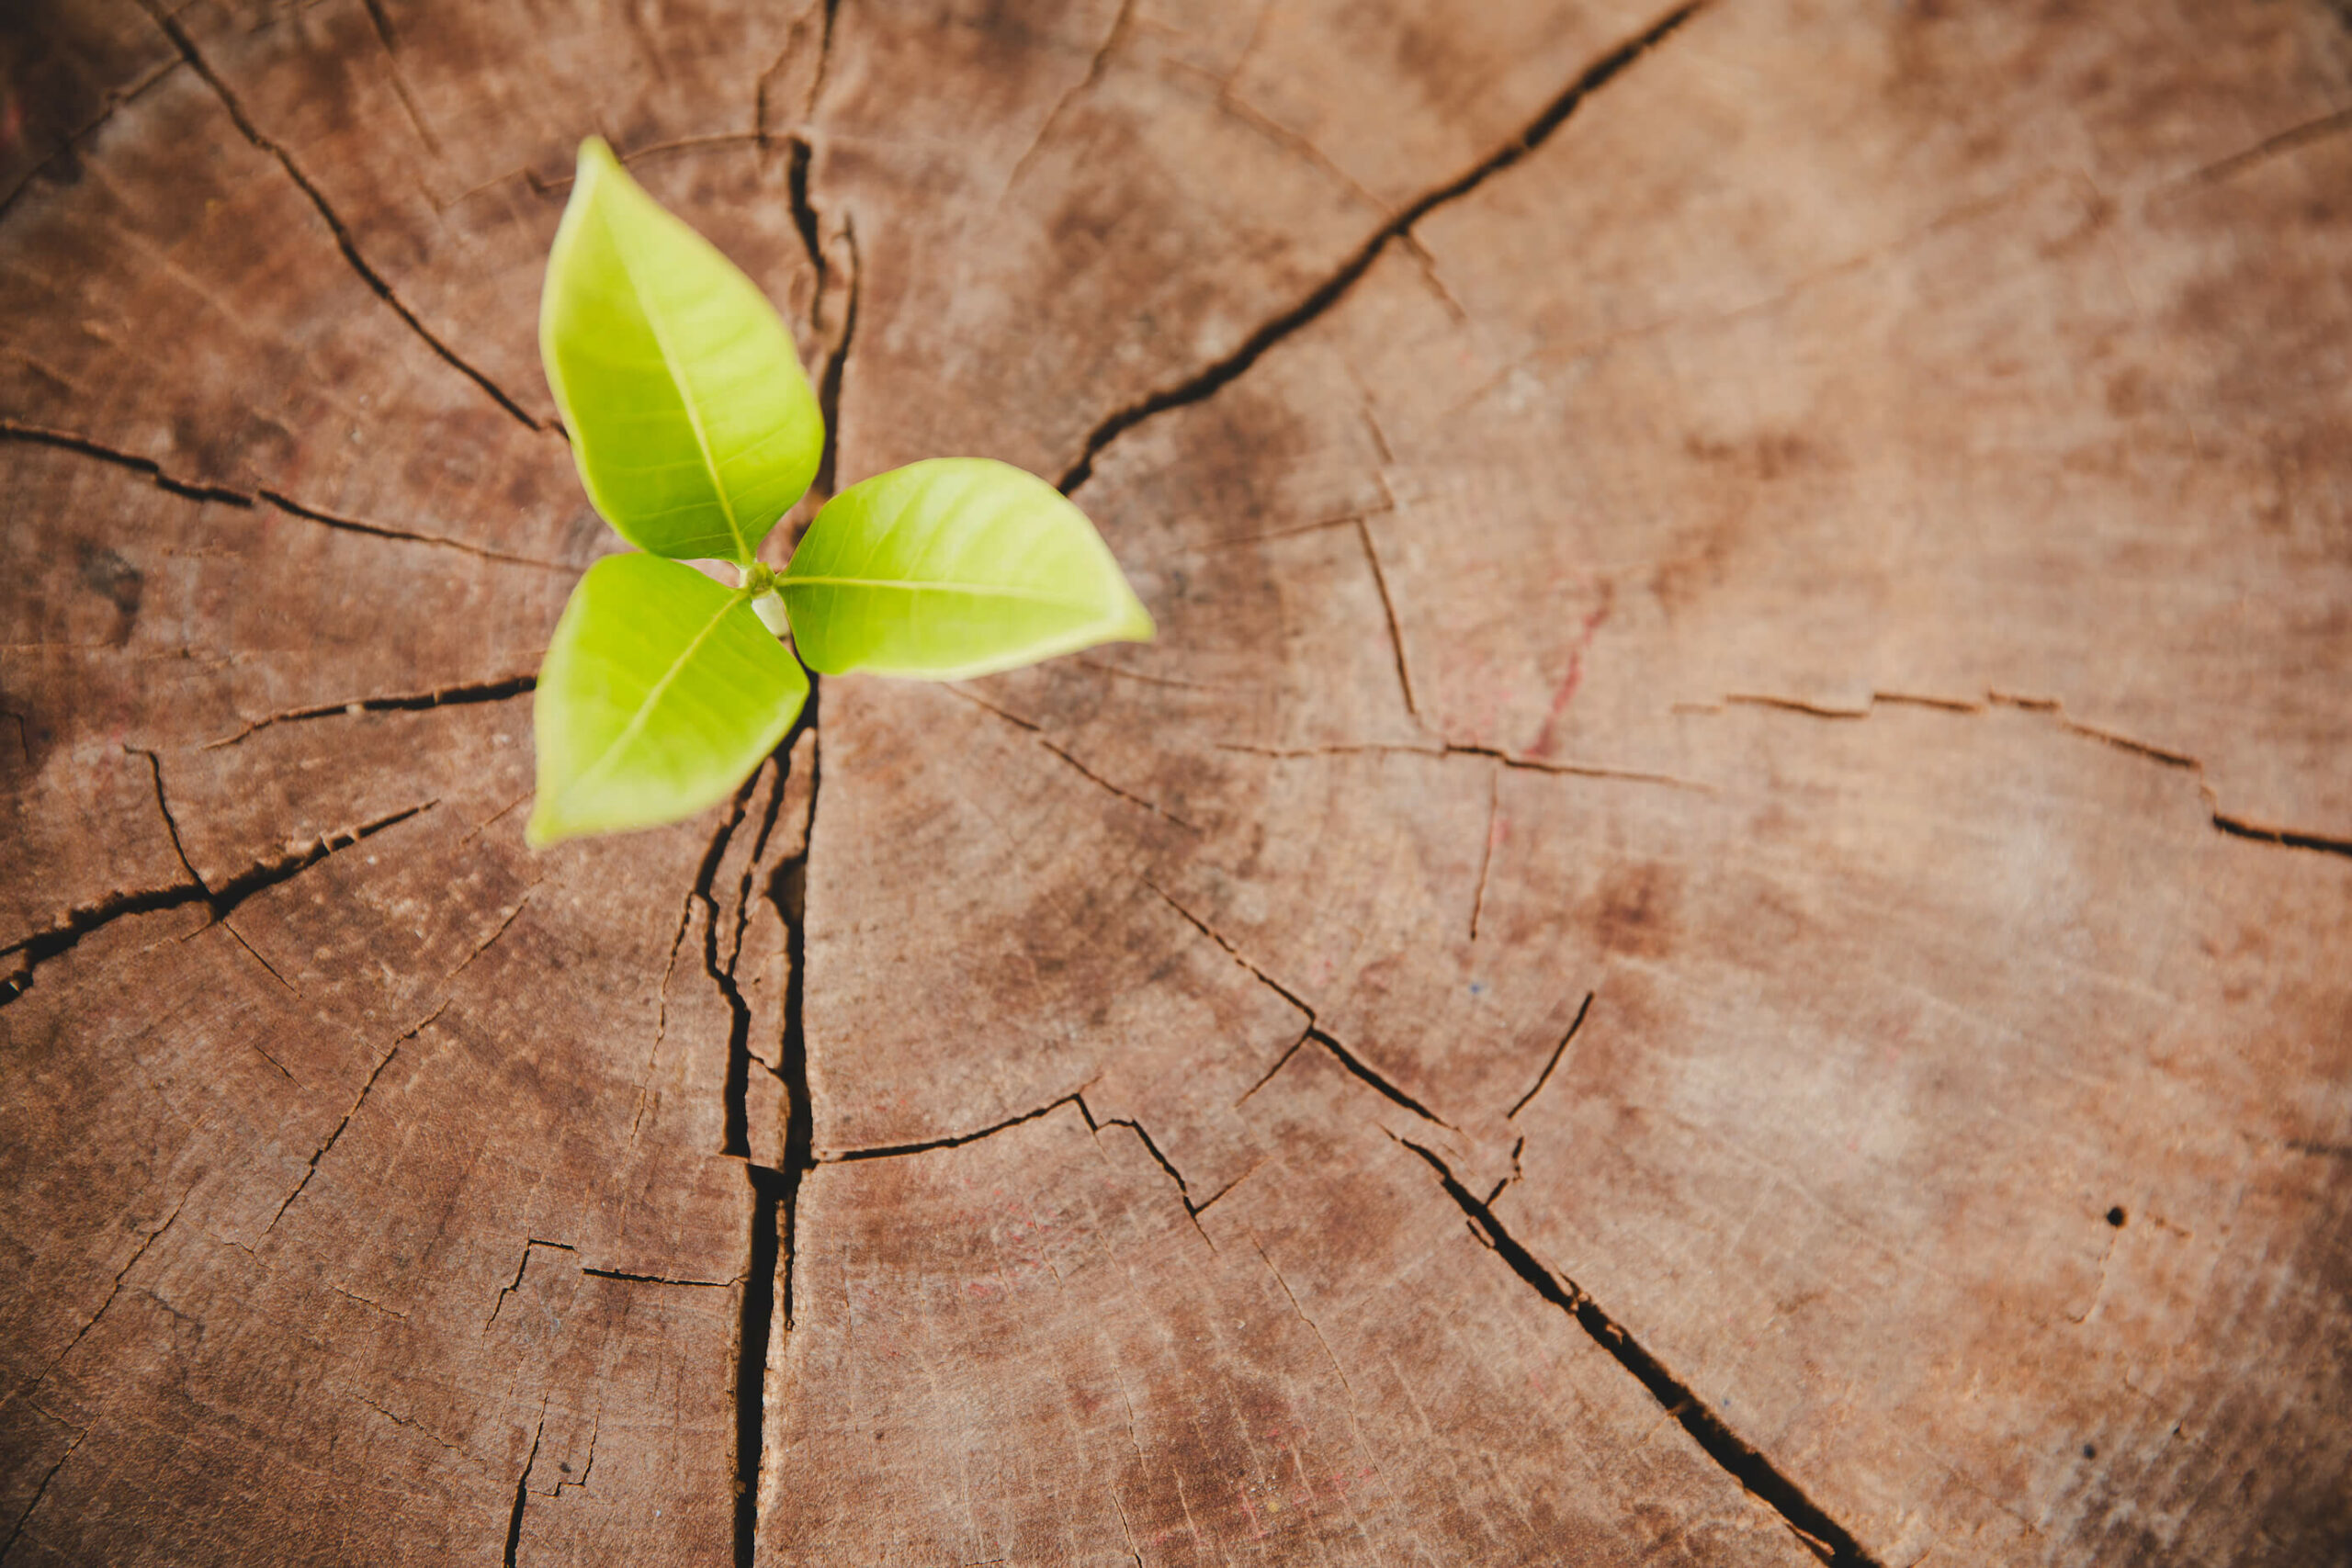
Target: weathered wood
[(1716, 930)]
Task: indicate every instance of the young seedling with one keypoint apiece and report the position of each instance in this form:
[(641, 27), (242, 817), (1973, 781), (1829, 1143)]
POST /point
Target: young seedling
[(695, 429)]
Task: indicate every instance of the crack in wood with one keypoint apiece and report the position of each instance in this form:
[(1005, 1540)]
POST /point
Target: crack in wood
[(505, 923), (824, 56), (1206, 381), (67, 146), (2271, 147), (760, 115), (1291, 1296), (829, 383), (362, 1301), (1356, 1065), (113, 1290), (1151, 1148), (1553, 1060), (411, 1422), (190, 489), (775, 1206), (181, 39), (405, 536), (530, 1244), (952, 1140), (1268, 1076), (1105, 784), (496, 691), (798, 154), (775, 1192), (70, 441), (1363, 1070), (736, 1140), (522, 1485), (1511, 759), (39, 948), (1198, 924), (42, 1490), (625, 1276), (1388, 609), (2054, 708), (661, 1011), (320, 1152), (2239, 828), (383, 26), (1486, 846), (588, 1467), (1094, 70), (1829, 1541)]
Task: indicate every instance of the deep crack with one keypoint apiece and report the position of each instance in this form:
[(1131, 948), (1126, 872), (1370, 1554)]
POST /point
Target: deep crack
[(627, 1277), (497, 691), (1360, 1068), (522, 1490), (736, 1139), (828, 384), (1831, 1541), (804, 217), (1207, 381), (2238, 827), (66, 440), (181, 41), (38, 949), (774, 1194), (754, 1331)]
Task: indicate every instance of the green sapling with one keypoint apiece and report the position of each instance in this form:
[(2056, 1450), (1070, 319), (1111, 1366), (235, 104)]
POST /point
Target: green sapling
[(695, 429)]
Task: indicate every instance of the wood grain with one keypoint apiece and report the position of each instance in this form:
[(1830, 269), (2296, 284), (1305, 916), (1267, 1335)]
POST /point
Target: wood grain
[(1716, 933)]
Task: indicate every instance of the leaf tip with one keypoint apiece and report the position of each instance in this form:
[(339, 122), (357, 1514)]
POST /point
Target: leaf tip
[(596, 156)]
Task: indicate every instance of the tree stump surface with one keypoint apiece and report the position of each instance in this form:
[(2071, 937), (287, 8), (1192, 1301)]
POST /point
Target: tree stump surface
[(1719, 930)]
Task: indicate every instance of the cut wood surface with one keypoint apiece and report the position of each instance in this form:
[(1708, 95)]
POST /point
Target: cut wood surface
[(1718, 932)]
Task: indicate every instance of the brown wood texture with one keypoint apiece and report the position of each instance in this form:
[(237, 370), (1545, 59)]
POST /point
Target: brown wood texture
[(1719, 929)]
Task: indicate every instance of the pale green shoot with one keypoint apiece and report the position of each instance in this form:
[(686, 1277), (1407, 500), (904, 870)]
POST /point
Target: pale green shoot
[(694, 431)]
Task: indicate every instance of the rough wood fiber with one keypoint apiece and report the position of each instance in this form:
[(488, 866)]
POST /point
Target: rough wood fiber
[(1716, 932)]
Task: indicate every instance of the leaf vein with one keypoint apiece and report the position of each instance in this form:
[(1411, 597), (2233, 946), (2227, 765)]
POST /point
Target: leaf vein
[(638, 720), (654, 323)]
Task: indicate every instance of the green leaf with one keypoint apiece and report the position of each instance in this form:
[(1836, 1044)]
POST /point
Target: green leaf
[(954, 567), (690, 416), (660, 692)]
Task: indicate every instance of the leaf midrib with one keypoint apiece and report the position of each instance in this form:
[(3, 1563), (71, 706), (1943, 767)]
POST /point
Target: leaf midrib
[(982, 590), (670, 363), (638, 719)]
